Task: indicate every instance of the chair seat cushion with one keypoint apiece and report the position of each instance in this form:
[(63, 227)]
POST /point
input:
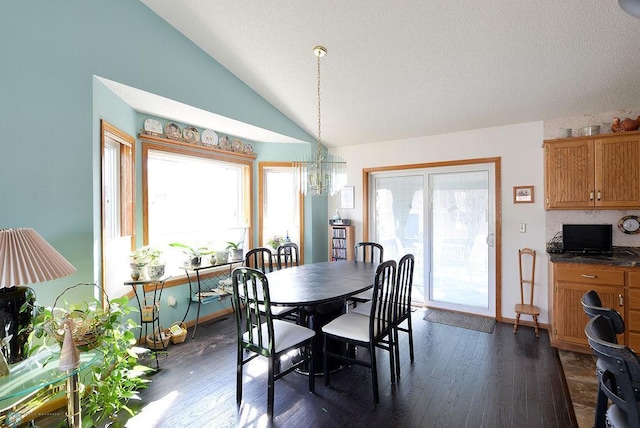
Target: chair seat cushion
[(278, 311), (616, 417), (286, 335), (363, 309), (351, 326)]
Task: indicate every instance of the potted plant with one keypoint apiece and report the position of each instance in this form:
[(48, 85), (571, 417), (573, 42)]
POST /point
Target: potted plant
[(150, 257), (275, 241), (194, 254), (235, 249), (117, 376)]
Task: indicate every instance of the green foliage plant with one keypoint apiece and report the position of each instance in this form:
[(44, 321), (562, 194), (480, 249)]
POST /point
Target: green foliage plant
[(118, 376)]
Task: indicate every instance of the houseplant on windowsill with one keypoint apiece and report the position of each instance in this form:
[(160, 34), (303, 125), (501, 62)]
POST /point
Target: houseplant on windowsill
[(236, 251), (275, 241), (150, 257), (194, 255)]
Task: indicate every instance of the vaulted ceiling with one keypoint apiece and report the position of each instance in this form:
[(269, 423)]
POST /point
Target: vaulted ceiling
[(399, 69)]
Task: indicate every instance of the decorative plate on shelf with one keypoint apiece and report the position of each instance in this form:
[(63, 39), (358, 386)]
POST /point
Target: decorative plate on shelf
[(629, 224), (209, 138), (248, 149), (152, 126), (237, 146), (191, 134), (173, 131), (225, 144)]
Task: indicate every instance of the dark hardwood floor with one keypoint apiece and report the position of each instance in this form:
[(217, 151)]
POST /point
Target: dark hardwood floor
[(461, 378)]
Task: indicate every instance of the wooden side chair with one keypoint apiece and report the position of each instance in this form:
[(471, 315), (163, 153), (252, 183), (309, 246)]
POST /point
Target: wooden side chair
[(261, 334), (370, 331), (369, 252), (527, 257), (261, 258)]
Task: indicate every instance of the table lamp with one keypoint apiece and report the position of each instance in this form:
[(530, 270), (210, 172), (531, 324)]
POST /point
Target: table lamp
[(25, 258)]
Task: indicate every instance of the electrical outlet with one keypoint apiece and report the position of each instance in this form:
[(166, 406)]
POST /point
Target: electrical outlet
[(523, 227)]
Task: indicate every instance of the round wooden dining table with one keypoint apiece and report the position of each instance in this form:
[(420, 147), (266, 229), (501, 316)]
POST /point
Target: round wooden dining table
[(320, 291)]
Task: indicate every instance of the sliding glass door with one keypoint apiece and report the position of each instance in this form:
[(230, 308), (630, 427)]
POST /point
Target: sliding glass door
[(445, 217)]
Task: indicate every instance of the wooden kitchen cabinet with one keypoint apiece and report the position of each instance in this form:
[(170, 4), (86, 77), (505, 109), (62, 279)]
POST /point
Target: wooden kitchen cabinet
[(601, 171), (570, 282), (632, 321)]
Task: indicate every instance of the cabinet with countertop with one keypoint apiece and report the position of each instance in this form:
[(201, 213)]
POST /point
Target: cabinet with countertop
[(616, 279), (594, 172)]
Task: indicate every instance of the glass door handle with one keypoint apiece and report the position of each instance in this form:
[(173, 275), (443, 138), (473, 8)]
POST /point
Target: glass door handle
[(490, 240)]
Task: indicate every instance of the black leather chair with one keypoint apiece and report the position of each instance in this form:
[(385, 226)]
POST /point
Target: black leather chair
[(619, 379), (592, 306)]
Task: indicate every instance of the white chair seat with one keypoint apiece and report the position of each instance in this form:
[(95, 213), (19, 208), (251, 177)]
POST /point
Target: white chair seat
[(278, 311), (350, 326), (363, 309), (286, 334)]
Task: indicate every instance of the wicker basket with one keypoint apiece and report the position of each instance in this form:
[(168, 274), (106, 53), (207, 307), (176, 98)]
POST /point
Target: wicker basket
[(158, 340), (178, 337)]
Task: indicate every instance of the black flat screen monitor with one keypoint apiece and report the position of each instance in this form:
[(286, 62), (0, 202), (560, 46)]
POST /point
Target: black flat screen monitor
[(586, 238)]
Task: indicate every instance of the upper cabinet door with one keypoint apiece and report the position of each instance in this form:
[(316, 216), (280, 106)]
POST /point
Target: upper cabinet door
[(601, 172), (618, 171), (569, 174)]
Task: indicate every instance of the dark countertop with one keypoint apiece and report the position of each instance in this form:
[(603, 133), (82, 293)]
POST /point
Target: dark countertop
[(621, 256)]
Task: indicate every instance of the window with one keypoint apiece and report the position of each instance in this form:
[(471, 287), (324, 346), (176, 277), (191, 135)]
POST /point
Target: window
[(118, 206), (281, 204), (194, 197)]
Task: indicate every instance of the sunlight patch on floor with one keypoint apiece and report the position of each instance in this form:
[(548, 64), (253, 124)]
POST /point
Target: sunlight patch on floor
[(152, 414)]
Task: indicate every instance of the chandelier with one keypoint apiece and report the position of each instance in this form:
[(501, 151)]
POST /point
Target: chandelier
[(320, 174)]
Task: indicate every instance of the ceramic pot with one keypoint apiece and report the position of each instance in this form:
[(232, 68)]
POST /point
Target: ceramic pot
[(155, 271), (222, 257)]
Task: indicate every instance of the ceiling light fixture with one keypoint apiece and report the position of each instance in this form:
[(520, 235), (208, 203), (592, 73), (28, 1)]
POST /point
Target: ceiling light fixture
[(632, 7), (320, 174)]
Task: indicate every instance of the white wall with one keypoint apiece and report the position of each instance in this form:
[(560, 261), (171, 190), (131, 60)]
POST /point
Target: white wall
[(520, 149)]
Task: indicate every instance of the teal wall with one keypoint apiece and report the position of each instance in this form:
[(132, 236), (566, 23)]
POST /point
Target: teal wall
[(50, 106)]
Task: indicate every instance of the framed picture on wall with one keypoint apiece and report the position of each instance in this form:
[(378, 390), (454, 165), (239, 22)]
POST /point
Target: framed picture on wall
[(346, 197), (522, 194)]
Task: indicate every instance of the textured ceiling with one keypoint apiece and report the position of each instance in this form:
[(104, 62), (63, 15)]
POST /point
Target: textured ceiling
[(400, 69)]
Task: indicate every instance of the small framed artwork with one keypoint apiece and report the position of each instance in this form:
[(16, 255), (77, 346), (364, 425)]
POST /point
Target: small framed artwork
[(346, 197), (522, 194)]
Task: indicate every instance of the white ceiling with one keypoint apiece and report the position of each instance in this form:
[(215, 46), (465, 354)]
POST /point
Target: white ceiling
[(398, 69)]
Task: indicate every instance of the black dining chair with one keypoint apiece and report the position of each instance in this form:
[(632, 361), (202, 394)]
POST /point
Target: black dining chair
[(370, 331), (288, 255), (368, 252), (404, 284), (261, 334), (619, 379), (261, 258), (592, 306)]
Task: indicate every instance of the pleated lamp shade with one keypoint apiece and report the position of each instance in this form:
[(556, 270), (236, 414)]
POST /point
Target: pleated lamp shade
[(26, 258)]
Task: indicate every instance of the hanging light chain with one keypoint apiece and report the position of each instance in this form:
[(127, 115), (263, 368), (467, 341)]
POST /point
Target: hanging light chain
[(319, 51)]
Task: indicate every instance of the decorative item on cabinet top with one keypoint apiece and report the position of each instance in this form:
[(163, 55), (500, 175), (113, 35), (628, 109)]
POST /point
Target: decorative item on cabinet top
[(625, 125), (191, 135), (153, 127), (173, 131)]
